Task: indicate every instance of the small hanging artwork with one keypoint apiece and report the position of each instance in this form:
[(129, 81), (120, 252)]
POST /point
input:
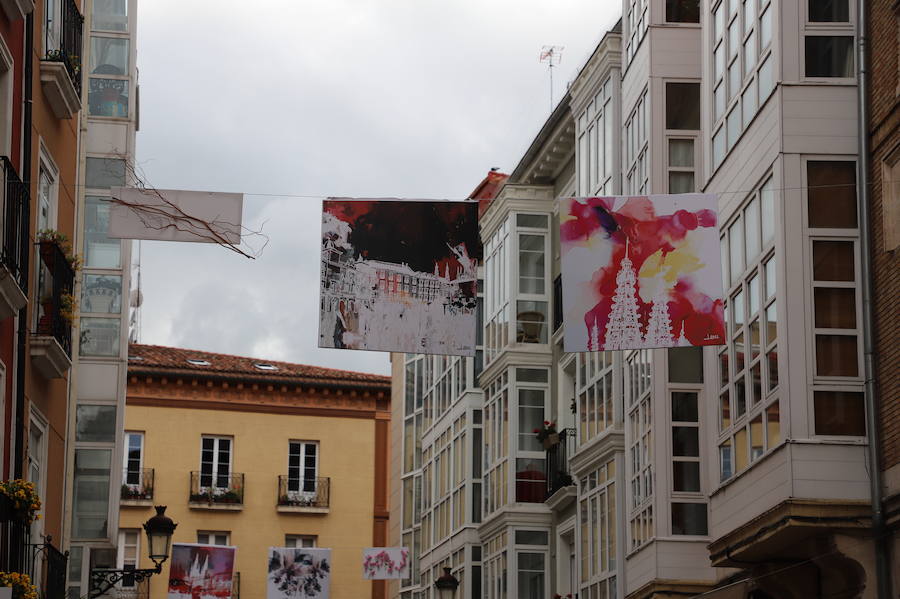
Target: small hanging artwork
[(298, 573), (381, 563), (399, 275), (641, 272), (201, 571)]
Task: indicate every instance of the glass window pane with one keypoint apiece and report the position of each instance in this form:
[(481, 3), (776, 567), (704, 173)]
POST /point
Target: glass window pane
[(751, 228), (726, 464), (771, 323), (103, 173), (99, 337), (90, 493), (100, 250), (835, 308), (767, 195), (683, 11), (531, 537), (719, 147), (686, 477), (766, 79), (736, 251), (734, 87), (685, 365), (765, 27), (689, 519), (681, 182), (757, 442), (108, 97), (101, 294), (109, 56), (740, 449), (95, 424), (684, 406), (750, 53), (538, 221), (837, 355), (829, 56), (773, 425), (840, 413), (531, 322), (749, 15), (719, 21), (772, 360), (719, 101), (681, 152), (734, 125), (110, 15), (734, 37), (829, 11), (832, 194), (724, 411), (833, 261), (683, 106), (719, 58), (685, 441)]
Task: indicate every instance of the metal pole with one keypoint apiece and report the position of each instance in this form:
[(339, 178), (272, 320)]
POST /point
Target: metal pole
[(879, 528)]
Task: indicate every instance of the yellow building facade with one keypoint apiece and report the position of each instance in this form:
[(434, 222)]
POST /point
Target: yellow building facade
[(254, 455)]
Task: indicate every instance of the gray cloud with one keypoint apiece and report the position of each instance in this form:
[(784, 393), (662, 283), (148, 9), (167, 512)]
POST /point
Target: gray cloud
[(409, 98)]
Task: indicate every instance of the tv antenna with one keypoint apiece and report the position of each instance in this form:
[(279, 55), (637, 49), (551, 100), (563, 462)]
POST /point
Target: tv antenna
[(552, 55)]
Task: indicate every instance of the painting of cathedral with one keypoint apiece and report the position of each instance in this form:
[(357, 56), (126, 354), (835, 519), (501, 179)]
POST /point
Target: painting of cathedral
[(399, 275), (200, 571), (641, 272)]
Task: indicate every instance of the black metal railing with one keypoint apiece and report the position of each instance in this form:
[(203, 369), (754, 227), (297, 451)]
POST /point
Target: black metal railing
[(137, 483), (55, 319), (236, 585), (48, 569), (14, 539), (556, 463), (15, 223), (557, 302), (63, 41), (217, 489), (304, 492)]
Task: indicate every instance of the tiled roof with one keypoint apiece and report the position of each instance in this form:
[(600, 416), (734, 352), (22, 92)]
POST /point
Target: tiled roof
[(157, 359)]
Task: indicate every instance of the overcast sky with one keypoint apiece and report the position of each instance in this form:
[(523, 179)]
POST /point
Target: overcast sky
[(363, 98)]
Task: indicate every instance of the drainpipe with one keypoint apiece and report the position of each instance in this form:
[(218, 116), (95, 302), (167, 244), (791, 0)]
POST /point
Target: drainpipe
[(879, 528), (25, 244)]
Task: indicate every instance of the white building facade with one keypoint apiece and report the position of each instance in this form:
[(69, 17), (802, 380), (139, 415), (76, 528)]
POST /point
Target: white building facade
[(734, 471), (99, 468)]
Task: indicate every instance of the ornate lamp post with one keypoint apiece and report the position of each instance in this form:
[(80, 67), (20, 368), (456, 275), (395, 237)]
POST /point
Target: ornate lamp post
[(446, 585), (159, 543)]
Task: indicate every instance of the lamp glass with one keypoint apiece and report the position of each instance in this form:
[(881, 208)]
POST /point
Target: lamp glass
[(159, 545)]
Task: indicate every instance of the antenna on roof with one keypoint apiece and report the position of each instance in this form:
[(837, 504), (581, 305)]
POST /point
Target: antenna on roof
[(552, 55)]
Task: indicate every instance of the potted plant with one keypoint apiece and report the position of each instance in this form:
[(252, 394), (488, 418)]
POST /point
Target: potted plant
[(547, 434), (20, 583), (68, 305), (22, 498), (48, 237)]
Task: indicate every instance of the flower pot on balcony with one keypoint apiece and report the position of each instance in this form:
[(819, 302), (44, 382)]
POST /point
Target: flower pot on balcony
[(551, 440)]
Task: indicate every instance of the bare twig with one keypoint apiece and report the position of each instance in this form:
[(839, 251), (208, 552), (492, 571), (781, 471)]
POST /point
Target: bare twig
[(159, 213)]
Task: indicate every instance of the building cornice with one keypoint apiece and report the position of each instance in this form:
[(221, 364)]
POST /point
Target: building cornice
[(606, 58), (517, 514), (597, 452)]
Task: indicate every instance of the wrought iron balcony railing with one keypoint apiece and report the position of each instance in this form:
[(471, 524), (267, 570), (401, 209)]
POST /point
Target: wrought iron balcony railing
[(217, 489), (55, 316), (15, 222), (304, 492), (14, 539), (64, 41), (137, 484), (556, 463), (48, 569)]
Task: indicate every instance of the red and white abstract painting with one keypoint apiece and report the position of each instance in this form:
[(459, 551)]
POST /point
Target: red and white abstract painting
[(641, 272)]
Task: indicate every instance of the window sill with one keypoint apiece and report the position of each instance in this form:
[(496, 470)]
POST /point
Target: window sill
[(296, 509), (136, 502), (11, 297), (59, 90), (49, 357), (223, 507)]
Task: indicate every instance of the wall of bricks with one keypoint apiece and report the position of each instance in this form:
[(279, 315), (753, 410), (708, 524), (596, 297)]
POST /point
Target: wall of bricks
[(884, 101)]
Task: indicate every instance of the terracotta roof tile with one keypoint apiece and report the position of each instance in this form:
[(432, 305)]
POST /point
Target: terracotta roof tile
[(157, 359)]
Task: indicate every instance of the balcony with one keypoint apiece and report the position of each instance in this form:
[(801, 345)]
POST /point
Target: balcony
[(13, 278), (216, 491), (305, 496), (48, 569), (560, 485), (61, 67), (14, 539), (137, 487), (51, 344)]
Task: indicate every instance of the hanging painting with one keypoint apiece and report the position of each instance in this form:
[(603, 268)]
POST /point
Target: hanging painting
[(298, 573), (200, 571), (399, 275), (641, 272), (381, 563)]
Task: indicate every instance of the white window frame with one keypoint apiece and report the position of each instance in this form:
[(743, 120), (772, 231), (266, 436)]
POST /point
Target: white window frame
[(215, 474), (125, 459), (208, 537), (301, 541), (121, 563), (7, 74), (302, 491)]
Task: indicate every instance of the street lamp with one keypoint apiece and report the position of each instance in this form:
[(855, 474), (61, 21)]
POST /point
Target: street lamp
[(159, 542), (446, 585)]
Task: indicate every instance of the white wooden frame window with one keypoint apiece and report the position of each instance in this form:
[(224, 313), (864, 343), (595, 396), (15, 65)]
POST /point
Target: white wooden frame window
[(133, 460), (128, 554), (303, 468), (215, 462), (214, 537), (300, 541)]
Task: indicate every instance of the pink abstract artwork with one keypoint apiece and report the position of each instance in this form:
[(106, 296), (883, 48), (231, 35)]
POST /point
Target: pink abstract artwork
[(641, 272)]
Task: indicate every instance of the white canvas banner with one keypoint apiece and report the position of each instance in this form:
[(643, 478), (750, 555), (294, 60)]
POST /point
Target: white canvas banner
[(400, 276), (641, 272), (298, 573), (382, 563), (172, 215)]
